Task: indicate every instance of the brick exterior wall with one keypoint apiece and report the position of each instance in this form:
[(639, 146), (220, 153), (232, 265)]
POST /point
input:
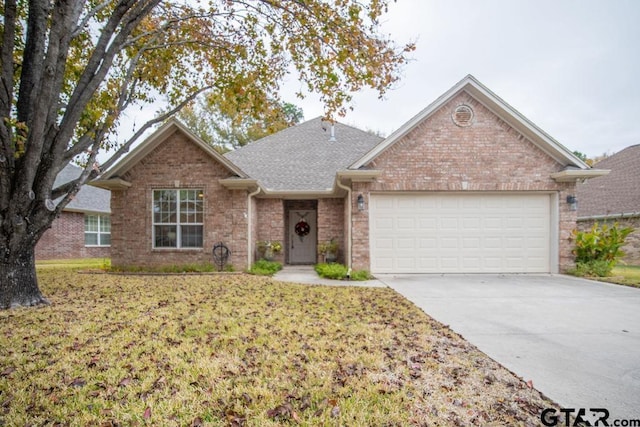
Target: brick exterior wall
[(65, 240), (438, 155), (331, 224), (632, 246), (270, 225), (177, 163)]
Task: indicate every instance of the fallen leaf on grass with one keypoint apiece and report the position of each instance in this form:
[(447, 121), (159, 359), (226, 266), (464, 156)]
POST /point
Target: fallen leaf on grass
[(78, 382), (7, 372), (335, 411), (234, 418), (147, 413), (281, 411)]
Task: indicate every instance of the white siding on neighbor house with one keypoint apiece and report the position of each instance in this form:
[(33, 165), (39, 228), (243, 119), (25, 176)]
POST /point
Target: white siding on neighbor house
[(461, 233)]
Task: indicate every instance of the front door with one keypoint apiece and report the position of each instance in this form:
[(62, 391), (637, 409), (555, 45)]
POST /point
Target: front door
[(303, 236)]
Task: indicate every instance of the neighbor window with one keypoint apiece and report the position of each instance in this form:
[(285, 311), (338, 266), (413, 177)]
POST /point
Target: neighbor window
[(177, 218), (97, 230)]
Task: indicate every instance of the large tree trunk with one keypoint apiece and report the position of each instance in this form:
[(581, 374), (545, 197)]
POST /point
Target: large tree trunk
[(18, 282)]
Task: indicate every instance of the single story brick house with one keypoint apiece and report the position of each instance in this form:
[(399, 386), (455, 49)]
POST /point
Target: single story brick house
[(83, 229), (467, 185), (615, 198)]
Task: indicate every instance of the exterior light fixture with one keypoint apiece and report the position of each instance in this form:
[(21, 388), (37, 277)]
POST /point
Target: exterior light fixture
[(573, 202), (360, 202)]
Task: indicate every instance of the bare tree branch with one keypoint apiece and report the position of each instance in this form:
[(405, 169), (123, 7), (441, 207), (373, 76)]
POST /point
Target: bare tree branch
[(85, 21)]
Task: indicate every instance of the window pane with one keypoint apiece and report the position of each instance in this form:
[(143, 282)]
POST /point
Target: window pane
[(164, 206), (191, 206), (165, 236), (90, 239), (191, 236), (105, 239), (90, 223), (199, 206), (105, 224)]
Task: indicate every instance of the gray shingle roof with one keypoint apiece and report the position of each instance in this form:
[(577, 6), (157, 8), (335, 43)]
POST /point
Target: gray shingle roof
[(301, 158), (89, 198), (616, 193)]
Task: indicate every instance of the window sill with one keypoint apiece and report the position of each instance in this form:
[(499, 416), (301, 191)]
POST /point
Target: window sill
[(176, 249)]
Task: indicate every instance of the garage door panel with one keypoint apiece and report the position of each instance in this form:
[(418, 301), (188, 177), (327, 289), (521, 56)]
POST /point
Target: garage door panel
[(472, 262), (473, 203), (460, 233), (384, 223), (427, 243), (448, 223), (406, 203), (383, 203), (405, 223), (406, 244), (473, 243), (491, 223), (427, 223), (381, 244)]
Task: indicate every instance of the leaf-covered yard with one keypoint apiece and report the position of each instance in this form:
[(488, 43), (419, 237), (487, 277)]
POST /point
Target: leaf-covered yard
[(191, 350)]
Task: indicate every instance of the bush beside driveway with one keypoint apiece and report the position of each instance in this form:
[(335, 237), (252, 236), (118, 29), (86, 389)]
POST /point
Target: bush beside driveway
[(242, 350)]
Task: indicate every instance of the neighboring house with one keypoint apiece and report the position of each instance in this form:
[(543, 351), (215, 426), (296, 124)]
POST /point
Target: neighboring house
[(467, 185), (83, 229), (615, 198)]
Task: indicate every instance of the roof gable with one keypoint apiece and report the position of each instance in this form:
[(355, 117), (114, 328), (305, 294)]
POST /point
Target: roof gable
[(615, 194), (494, 104), (154, 140)]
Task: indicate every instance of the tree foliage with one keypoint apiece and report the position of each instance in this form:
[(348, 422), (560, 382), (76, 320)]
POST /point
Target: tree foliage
[(69, 69), (599, 249), (226, 128)]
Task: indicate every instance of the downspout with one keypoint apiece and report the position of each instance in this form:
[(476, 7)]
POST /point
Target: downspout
[(249, 231), (348, 243)]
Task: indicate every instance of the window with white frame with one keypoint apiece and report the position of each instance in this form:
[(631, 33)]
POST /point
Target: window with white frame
[(177, 218), (97, 230)]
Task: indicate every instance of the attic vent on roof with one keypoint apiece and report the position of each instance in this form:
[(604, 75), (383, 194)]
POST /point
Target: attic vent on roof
[(462, 116), (332, 138)]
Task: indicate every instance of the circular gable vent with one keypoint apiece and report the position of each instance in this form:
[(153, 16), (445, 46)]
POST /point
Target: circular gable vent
[(462, 116)]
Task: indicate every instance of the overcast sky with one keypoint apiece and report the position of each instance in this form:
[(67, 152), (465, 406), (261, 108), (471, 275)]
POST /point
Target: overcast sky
[(569, 66)]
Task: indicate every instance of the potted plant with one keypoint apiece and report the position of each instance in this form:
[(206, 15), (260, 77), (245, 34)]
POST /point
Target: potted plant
[(267, 249), (329, 250)]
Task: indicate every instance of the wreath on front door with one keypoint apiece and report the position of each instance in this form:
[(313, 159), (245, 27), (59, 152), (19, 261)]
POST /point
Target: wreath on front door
[(302, 228)]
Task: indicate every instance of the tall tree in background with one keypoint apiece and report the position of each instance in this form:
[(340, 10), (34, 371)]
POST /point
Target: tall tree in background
[(226, 126), (70, 68)]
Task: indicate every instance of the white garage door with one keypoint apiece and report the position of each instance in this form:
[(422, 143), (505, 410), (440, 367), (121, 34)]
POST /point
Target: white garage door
[(460, 233)]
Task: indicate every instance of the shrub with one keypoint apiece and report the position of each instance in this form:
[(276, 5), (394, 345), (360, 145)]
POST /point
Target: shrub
[(360, 275), (598, 250), (339, 272), (265, 268), (597, 268), (332, 270)]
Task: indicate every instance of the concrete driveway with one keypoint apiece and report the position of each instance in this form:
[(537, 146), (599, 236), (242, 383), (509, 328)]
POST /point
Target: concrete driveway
[(577, 340)]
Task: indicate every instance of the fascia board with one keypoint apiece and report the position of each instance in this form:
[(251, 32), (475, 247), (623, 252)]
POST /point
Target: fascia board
[(572, 175)]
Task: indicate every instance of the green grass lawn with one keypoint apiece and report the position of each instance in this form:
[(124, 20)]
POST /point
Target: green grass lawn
[(85, 263), (625, 275), (234, 350)]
